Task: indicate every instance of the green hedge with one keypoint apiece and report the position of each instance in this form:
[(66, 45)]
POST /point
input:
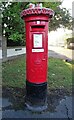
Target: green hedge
[(70, 40)]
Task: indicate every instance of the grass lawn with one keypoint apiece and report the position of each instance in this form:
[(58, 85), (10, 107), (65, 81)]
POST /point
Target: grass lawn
[(59, 73)]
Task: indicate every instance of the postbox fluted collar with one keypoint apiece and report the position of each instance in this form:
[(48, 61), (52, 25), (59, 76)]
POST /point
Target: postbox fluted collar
[(37, 11)]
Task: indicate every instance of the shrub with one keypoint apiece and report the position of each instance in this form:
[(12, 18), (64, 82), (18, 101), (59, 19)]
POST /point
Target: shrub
[(70, 40), (16, 36)]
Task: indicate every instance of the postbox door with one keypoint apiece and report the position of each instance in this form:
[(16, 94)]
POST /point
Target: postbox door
[(38, 58)]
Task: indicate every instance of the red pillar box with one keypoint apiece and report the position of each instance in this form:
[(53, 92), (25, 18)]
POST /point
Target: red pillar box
[(36, 21)]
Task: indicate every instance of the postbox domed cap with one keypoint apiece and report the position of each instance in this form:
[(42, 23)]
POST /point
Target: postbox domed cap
[(37, 11)]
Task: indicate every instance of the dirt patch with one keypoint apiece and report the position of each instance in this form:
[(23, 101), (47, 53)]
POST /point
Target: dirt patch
[(17, 97)]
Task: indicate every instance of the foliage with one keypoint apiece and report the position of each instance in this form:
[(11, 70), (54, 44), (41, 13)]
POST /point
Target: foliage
[(16, 36), (70, 40), (12, 22), (62, 18)]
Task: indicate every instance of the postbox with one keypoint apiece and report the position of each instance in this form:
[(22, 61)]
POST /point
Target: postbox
[(36, 23)]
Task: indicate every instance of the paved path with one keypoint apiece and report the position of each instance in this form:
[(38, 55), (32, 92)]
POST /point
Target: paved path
[(62, 110), (61, 52), (56, 52)]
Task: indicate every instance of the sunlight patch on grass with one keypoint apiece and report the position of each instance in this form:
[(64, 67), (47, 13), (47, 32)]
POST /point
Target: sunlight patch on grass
[(59, 74)]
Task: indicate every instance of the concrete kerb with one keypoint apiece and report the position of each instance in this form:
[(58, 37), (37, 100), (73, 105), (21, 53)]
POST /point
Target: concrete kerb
[(55, 52)]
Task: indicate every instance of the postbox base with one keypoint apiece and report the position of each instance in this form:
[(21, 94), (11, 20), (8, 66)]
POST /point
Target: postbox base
[(36, 108), (36, 96)]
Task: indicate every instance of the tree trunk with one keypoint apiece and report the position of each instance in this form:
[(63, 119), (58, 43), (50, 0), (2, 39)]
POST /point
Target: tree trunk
[(4, 49)]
